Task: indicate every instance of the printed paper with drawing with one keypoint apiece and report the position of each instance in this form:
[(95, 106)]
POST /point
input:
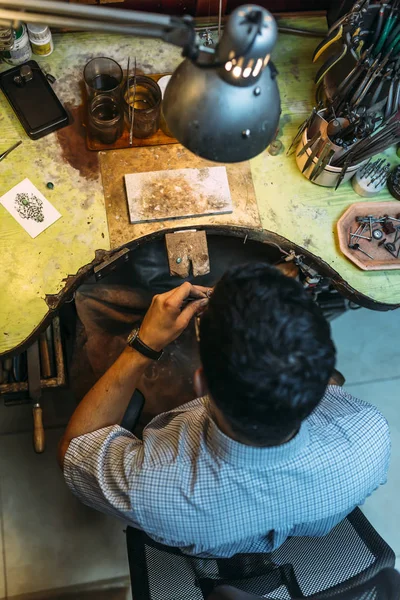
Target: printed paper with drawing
[(29, 207)]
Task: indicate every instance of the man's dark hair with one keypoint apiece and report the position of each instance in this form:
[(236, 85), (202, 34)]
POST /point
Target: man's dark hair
[(266, 350)]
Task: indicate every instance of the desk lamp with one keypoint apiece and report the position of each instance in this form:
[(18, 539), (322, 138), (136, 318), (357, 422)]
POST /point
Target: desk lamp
[(222, 104)]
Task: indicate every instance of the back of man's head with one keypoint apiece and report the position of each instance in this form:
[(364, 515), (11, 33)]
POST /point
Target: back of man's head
[(266, 351)]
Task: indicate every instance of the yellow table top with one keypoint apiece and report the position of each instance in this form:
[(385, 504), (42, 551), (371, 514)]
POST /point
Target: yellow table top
[(289, 205)]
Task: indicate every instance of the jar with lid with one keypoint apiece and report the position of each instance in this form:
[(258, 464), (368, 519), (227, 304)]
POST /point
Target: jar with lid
[(21, 49), (41, 39)]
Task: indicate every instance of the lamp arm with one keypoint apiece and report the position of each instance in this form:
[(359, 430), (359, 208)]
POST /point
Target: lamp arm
[(178, 31)]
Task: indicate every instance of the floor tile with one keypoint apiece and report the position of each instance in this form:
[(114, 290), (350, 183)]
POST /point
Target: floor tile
[(365, 341), (383, 507), (51, 540), (58, 405)]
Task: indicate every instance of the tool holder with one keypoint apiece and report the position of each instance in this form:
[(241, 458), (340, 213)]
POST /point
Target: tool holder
[(47, 375), (363, 187), (346, 47), (371, 180), (329, 176)]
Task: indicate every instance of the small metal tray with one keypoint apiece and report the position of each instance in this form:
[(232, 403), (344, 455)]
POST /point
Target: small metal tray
[(382, 259)]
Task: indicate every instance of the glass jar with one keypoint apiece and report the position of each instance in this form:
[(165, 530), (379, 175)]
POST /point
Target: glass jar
[(103, 75), (146, 102), (105, 120)]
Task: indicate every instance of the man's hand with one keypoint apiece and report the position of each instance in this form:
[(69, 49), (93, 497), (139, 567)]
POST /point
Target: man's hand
[(106, 403), (170, 313)]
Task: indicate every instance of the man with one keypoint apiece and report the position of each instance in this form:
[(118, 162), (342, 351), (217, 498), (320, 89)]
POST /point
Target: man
[(269, 450)]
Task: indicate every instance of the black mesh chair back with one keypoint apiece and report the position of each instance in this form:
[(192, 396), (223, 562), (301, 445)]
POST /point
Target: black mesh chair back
[(385, 585), (349, 555)]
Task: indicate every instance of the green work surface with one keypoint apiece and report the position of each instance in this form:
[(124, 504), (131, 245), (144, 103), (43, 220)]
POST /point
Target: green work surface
[(289, 205), (305, 213)]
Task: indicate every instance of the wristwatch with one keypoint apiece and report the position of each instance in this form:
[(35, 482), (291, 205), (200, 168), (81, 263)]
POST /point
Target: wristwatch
[(135, 342)]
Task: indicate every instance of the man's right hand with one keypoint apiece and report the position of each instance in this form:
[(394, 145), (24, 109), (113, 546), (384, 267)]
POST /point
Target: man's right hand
[(169, 314)]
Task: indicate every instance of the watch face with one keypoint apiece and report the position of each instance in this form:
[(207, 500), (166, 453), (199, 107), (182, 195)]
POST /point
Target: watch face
[(133, 335)]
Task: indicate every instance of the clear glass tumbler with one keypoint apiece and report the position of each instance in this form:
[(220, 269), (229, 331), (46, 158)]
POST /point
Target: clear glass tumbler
[(105, 120), (146, 102), (103, 75)]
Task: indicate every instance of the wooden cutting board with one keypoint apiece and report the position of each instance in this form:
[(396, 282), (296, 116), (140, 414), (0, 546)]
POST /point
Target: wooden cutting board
[(115, 164)]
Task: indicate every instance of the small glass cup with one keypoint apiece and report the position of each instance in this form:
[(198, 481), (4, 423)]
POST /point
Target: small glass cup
[(105, 119), (147, 106), (103, 75)]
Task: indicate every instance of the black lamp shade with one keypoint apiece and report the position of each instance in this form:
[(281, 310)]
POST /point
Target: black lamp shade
[(228, 111)]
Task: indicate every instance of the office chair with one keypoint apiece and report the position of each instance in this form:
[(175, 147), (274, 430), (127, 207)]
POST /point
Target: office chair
[(385, 585), (350, 555)]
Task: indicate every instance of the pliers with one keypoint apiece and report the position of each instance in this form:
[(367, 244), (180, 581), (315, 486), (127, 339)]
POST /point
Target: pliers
[(379, 23), (352, 17), (391, 20), (331, 62), (335, 36)]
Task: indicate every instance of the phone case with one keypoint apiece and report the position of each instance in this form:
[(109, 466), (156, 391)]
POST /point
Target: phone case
[(33, 101)]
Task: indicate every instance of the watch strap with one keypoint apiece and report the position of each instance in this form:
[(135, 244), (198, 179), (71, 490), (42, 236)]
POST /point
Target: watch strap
[(135, 342)]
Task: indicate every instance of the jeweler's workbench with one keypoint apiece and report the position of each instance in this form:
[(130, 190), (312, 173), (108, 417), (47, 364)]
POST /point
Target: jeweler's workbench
[(293, 212)]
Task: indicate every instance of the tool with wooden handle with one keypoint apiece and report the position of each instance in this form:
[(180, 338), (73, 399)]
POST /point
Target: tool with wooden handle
[(35, 392), (44, 356)]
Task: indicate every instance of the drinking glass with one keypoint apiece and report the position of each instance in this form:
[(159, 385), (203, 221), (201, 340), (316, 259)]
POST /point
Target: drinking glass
[(103, 75), (146, 102), (105, 120)]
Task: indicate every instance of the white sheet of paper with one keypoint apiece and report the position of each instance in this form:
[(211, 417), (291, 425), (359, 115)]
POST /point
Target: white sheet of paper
[(29, 207)]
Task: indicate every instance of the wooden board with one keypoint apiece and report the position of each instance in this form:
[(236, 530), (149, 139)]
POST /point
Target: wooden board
[(115, 164), (123, 142), (177, 194), (187, 249), (382, 259)]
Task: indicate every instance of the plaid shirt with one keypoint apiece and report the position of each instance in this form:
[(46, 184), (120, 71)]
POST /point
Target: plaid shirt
[(189, 485)]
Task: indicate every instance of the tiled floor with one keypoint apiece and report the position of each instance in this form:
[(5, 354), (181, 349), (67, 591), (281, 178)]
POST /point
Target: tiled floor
[(49, 540), (369, 358)]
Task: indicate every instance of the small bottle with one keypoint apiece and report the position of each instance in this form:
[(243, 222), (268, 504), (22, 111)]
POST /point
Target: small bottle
[(41, 39), (21, 50)]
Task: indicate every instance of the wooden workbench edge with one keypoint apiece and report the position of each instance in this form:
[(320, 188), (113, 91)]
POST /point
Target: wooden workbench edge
[(55, 301)]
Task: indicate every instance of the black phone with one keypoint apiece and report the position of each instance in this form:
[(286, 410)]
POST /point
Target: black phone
[(33, 99)]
